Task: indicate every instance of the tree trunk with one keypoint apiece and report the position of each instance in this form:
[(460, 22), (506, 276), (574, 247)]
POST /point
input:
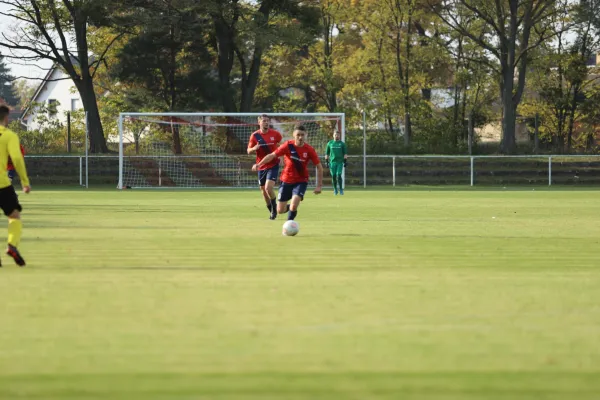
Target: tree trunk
[(463, 114), (250, 81), (309, 102), (85, 86), (173, 89), (407, 122), (509, 120), (509, 112), (136, 138), (384, 87), (573, 108), (224, 37), (97, 142), (509, 115), (176, 138), (407, 129)]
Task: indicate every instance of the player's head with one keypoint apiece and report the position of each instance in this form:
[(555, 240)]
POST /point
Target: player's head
[(337, 135), (264, 122), (4, 111), (299, 134)]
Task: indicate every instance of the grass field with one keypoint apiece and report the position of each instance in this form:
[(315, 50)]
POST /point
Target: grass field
[(383, 295)]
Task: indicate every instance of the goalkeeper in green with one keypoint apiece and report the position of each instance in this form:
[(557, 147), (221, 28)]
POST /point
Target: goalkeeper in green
[(336, 158)]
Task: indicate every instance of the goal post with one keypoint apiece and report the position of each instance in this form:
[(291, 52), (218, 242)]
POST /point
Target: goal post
[(203, 150)]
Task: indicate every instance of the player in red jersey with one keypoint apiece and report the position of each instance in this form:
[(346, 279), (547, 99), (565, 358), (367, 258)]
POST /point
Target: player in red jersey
[(294, 178), (264, 141), (11, 168)]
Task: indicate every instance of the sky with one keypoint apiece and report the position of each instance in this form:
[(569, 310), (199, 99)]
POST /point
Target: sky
[(32, 70)]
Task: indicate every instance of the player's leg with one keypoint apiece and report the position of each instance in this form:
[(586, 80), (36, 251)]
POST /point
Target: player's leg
[(333, 178), (272, 199), (12, 209), (15, 229), (262, 181), (285, 194), (12, 175), (298, 196), (340, 180), (272, 175)]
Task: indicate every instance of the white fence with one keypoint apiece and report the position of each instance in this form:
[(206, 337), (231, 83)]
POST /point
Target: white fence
[(380, 170), (369, 171)]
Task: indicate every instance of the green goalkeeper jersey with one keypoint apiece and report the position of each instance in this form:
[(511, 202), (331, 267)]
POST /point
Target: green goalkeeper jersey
[(336, 150)]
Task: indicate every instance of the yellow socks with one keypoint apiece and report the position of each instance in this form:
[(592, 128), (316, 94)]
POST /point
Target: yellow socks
[(15, 228)]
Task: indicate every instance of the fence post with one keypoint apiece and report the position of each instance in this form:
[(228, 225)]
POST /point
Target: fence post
[(472, 170), (394, 171), (364, 149), (80, 171), (549, 170)]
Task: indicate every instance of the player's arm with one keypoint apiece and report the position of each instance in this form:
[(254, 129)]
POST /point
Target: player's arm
[(14, 151), (327, 153), (270, 157), (345, 154), (253, 145), (267, 159)]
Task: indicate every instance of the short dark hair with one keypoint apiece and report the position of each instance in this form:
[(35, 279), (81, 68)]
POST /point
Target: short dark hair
[(4, 111), (299, 127), (263, 116)]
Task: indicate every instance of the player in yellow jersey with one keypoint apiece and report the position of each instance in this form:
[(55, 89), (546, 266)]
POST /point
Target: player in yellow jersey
[(9, 202)]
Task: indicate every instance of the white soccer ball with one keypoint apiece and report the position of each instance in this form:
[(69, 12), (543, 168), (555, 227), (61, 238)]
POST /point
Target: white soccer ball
[(290, 228)]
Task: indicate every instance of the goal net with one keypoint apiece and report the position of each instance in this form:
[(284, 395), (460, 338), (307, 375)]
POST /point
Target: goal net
[(196, 150)]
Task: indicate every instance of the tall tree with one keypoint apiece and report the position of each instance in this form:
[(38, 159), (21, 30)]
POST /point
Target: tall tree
[(23, 90), (242, 32), (561, 80), (166, 65), (512, 28), (57, 30), (401, 13), (587, 44), (6, 84)]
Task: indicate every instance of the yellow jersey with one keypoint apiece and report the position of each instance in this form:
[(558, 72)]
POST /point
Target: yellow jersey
[(10, 147)]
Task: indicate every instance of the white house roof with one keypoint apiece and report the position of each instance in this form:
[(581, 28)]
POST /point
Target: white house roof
[(38, 90), (43, 84)]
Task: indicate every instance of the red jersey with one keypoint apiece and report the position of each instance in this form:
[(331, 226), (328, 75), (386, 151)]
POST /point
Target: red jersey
[(9, 165), (296, 161), (268, 143)]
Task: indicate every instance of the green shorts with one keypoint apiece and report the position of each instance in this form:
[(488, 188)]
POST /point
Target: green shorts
[(336, 168)]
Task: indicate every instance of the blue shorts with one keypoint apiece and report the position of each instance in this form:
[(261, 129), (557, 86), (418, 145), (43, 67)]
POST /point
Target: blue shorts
[(270, 174), (287, 190), (11, 174)]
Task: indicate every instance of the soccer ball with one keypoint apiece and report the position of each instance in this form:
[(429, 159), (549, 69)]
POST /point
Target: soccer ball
[(290, 228)]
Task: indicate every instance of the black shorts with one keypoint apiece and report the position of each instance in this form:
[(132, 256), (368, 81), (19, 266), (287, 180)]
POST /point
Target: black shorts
[(9, 201), (270, 174), (288, 190)]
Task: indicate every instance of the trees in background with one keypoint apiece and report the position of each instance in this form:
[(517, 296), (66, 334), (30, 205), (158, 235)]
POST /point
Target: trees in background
[(7, 89), (58, 31), (419, 68)]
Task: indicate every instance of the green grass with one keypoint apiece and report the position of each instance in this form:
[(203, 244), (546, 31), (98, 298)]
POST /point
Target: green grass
[(383, 295)]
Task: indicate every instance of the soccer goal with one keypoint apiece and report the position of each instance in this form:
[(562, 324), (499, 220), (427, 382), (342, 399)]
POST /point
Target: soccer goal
[(196, 150)]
